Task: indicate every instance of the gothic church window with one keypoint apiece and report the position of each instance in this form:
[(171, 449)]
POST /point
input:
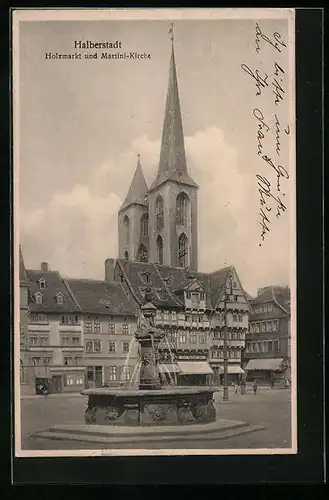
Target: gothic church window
[(182, 209), (159, 212), (182, 251), (145, 225), (126, 225), (160, 250)]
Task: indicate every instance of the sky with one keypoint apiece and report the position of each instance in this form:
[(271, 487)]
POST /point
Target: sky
[(83, 122)]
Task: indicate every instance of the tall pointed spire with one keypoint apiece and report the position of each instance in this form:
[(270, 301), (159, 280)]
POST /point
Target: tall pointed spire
[(172, 164), (138, 188)]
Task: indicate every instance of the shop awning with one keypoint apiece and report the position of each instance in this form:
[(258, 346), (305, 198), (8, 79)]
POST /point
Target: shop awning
[(232, 369), (272, 364), (169, 368), (195, 368)]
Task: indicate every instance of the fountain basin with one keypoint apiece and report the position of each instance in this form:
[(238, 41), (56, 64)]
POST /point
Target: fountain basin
[(135, 407)]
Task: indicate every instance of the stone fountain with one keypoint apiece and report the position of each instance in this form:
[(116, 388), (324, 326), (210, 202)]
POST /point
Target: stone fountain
[(152, 403)]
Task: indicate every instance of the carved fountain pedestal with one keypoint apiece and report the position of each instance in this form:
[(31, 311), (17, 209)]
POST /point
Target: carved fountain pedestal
[(151, 404)]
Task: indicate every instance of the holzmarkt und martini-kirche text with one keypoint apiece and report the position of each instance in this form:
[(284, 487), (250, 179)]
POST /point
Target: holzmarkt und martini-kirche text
[(93, 45)]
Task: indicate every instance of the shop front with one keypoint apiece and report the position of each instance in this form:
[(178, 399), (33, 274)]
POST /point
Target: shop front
[(235, 374), (66, 379), (267, 371), (195, 373)]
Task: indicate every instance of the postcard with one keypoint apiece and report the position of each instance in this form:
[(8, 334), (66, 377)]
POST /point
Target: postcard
[(155, 232)]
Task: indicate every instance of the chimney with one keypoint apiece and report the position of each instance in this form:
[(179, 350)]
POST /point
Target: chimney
[(44, 267), (109, 270)]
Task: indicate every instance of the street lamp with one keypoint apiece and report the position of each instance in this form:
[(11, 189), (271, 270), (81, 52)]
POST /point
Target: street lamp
[(228, 283)]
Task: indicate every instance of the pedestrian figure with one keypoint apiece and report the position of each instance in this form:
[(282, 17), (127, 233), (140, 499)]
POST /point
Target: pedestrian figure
[(272, 384), (255, 387), (236, 388)]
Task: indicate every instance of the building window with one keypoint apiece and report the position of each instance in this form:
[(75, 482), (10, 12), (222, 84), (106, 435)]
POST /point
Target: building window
[(125, 346), (93, 346), (159, 212), (268, 326), (142, 254), (36, 361), (97, 328), (276, 345), (202, 338), (158, 315), (112, 328), (33, 341), (126, 373), (95, 374), (182, 209), (44, 341), (75, 340), (235, 317), (112, 373), (112, 347), (275, 325), (194, 318), (193, 337), (38, 298), (159, 250), (125, 329), (88, 328), (42, 284), (38, 318), (265, 346), (182, 251), (59, 298), (240, 318), (260, 346), (270, 346), (165, 315), (263, 326), (182, 337), (145, 225), (270, 307), (173, 316), (78, 360), (68, 360), (126, 225)]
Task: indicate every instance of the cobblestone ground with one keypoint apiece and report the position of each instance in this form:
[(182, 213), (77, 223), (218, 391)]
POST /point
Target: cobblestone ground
[(270, 408)]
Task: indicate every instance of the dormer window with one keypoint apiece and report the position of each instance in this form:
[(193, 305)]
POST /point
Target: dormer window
[(59, 298), (42, 283), (38, 298)]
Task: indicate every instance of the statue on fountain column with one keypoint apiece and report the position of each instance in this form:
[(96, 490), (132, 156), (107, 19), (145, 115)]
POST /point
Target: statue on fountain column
[(149, 338)]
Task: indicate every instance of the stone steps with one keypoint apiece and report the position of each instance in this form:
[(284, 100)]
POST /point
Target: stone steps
[(133, 435)]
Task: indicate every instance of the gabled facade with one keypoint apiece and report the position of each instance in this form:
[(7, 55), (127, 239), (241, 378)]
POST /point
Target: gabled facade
[(267, 353), (55, 336), (191, 310), (24, 320)]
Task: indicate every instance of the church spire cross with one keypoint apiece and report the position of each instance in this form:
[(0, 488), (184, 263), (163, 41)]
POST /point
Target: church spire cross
[(171, 32)]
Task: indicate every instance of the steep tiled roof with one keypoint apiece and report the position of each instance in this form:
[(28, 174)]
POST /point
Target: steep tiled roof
[(53, 285), (274, 293), (101, 297), (23, 278), (171, 280), (217, 281), (137, 274)]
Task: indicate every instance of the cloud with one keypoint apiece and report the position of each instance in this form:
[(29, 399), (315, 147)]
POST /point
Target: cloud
[(77, 229)]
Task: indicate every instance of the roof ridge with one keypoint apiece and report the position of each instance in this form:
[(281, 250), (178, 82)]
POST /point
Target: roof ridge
[(71, 294)]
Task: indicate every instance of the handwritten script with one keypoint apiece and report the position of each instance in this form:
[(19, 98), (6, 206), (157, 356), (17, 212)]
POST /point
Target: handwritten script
[(270, 84)]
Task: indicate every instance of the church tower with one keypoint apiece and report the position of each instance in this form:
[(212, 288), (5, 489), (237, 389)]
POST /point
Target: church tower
[(172, 198), (133, 220)]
